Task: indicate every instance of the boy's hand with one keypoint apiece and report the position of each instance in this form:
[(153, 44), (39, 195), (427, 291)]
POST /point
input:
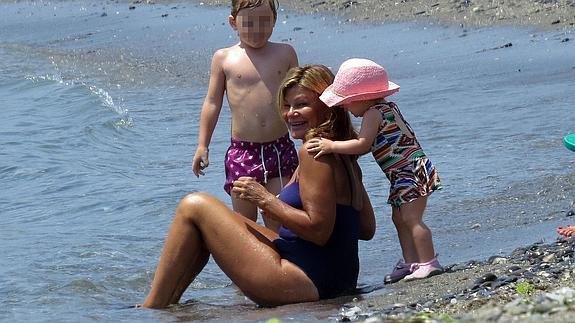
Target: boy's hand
[(319, 147), (200, 161)]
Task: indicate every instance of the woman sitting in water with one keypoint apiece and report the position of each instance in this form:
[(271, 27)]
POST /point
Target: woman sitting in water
[(324, 210)]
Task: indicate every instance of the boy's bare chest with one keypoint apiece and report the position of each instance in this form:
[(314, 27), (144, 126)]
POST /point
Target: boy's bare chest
[(248, 72)]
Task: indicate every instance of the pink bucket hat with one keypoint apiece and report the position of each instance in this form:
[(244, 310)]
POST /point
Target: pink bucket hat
[(358, 79)]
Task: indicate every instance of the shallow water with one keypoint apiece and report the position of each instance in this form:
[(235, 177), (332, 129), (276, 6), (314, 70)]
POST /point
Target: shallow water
[(99, 121)]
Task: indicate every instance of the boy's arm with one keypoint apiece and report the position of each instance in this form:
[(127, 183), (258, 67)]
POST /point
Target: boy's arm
[(369, 128), (293, 60), (210, 112)]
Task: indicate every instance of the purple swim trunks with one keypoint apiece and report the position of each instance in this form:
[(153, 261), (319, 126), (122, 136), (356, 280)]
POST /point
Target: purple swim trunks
[(244, 158)]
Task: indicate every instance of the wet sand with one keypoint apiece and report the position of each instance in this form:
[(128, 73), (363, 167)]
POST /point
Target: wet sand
[(544, 14)]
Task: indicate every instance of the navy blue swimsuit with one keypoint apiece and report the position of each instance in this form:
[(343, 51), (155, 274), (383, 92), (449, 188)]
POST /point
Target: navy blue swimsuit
[(334, 267)]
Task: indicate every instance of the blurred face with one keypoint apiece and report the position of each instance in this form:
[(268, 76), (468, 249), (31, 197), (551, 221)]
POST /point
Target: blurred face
[(301, 111), (254, 25)]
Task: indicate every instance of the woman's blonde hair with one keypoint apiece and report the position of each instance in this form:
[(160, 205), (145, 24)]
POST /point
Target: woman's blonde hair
[(317, 78)]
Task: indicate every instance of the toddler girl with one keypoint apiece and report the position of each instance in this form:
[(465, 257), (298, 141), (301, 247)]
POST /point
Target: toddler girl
[(361, 87)]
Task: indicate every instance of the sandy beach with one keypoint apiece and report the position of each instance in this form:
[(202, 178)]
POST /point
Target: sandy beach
[(544, 14)]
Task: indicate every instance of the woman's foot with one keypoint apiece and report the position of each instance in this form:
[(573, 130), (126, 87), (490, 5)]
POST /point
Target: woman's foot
[(567, 231)]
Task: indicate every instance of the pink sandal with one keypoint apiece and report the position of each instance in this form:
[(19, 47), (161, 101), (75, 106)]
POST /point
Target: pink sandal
[(425, 269)]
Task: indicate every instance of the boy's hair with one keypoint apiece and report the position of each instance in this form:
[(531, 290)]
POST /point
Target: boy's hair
[(317, 78), (238, 5)]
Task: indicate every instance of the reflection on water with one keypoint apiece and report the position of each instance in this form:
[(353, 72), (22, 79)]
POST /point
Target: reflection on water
[(99, 122)]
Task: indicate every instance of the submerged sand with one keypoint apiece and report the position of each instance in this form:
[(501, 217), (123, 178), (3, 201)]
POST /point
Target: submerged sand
[(545, 14)]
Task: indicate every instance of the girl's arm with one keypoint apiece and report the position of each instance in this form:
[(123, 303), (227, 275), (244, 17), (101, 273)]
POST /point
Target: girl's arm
[(317, 192), (369, 128)]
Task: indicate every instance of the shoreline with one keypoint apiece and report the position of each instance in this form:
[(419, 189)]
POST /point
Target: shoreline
[(546, 15)]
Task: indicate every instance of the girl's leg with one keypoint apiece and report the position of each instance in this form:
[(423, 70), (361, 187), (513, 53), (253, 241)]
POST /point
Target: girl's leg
[(203, 225), (404, 236), (414, 236)]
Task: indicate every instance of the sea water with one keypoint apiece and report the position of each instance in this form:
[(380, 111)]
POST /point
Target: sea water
[(99, 114)]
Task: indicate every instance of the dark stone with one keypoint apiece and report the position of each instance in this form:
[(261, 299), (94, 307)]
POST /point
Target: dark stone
[(350, 3), (513, 268), (485, 278)]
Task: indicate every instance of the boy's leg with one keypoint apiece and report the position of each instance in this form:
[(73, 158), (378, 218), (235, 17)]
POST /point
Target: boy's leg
[(274, 186), (282, 158), (241, 160), (245, 208)]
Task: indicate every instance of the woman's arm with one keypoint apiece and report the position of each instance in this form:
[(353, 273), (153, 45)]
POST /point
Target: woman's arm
[(366, 218), (317, 189), (318, 195), (362, 203)]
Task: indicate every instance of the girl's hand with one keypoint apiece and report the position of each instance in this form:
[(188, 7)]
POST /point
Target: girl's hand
[(247, 188), (319, 147)]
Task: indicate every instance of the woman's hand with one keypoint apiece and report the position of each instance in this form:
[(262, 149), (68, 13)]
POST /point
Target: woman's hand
[(248, 189), (319, 147)]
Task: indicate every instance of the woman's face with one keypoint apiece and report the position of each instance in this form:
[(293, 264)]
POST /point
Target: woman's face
[(302, 110)]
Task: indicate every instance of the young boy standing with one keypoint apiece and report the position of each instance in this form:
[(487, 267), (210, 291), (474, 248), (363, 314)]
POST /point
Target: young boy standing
[(249, 73)]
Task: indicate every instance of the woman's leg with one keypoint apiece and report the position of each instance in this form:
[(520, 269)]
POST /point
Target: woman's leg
[(203, 225), (414, 236)]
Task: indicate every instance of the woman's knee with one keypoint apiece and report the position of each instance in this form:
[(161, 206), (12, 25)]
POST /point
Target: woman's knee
[(194, 205)]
